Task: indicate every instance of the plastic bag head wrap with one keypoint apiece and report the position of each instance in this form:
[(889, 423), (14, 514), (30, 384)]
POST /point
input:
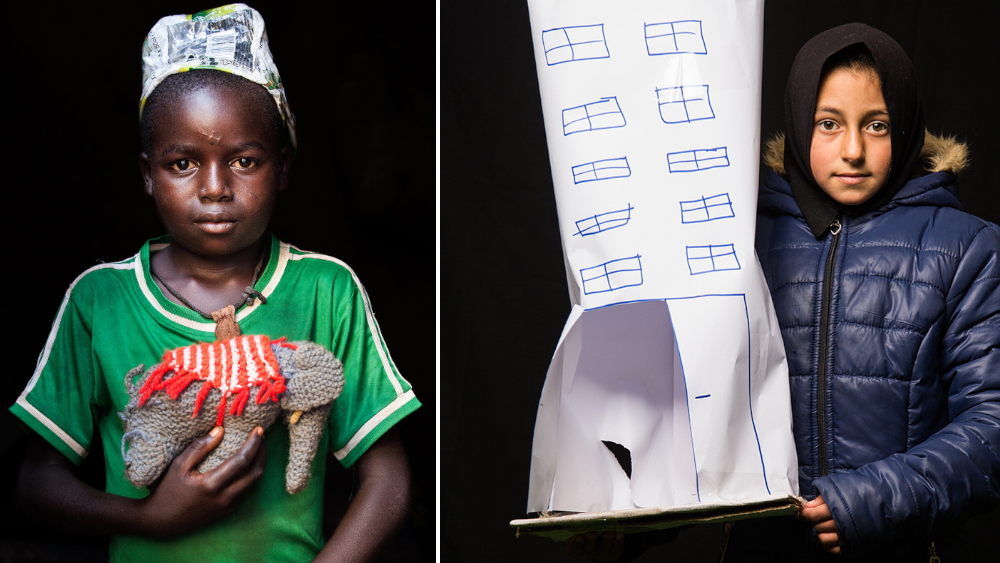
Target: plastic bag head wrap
[(229, 38)]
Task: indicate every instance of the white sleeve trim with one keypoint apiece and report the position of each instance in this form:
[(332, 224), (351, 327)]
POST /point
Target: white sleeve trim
[(23, 402), (374, 421), (43, 358), (387, 365)]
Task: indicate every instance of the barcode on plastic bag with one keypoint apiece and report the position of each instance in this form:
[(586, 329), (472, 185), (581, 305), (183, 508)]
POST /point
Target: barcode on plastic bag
[(221, 45)]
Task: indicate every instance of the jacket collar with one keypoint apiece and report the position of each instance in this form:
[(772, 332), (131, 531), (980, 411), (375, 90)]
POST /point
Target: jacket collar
[(937, 189)]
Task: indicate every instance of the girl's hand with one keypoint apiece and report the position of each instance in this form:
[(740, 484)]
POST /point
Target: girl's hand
[(817, 513)]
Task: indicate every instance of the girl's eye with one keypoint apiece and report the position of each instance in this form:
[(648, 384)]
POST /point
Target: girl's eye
[(827, 125), (243, 163), (182, 165), (879, 127)]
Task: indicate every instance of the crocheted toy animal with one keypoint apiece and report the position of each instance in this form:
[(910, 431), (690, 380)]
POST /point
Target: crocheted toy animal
[(166, 412)]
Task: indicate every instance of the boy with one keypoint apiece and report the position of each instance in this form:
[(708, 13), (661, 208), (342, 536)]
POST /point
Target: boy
[(216, 150)]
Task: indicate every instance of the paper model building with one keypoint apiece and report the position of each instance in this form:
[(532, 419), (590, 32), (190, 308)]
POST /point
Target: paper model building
[(672, 349)]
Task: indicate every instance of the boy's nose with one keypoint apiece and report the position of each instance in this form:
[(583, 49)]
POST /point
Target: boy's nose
[(215, 185)]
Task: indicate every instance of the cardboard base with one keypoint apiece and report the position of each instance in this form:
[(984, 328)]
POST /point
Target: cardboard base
[(565, 526)]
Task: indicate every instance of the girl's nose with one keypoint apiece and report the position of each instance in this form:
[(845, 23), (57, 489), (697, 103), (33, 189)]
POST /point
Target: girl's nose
[(854, 146)]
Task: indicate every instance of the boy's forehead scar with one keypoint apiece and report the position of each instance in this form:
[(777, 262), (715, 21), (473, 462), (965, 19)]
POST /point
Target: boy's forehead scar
[(181, 148)]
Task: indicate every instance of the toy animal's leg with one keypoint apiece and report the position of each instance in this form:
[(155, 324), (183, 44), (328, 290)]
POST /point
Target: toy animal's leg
[(237, 430), (303, 437)]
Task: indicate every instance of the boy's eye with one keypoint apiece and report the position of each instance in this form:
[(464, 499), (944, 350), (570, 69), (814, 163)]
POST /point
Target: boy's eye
[(243, 163), (182, 165)]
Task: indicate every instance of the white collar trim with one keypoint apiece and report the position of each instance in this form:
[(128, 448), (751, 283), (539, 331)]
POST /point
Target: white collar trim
[(206, 326)]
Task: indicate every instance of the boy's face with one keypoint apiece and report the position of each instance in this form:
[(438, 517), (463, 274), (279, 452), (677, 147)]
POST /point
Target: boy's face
[(851, 151), (214, 170)]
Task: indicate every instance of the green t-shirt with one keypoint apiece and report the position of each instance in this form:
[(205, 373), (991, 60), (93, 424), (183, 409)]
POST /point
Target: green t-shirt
[(114, 317)]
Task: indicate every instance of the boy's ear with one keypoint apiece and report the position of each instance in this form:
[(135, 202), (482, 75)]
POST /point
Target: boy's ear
[(284, 163), (147, 173)]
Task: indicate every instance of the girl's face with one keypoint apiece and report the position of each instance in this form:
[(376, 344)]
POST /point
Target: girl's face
[(851, 152), (214, 171)]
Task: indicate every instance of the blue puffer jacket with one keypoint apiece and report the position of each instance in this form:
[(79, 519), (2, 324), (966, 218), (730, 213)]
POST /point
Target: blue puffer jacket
[(891, 329)]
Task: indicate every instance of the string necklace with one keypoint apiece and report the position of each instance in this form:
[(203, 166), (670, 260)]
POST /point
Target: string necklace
[(226, 326)]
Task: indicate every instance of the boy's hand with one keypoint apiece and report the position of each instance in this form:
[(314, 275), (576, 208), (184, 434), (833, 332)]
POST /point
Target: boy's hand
[(597, 546), (817, 513), (186, 500)]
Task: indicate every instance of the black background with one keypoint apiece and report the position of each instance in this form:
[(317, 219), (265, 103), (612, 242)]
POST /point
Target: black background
[(503, 289), (360, 78)]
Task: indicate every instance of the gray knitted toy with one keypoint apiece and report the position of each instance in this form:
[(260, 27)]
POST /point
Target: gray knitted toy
[(265, 378)]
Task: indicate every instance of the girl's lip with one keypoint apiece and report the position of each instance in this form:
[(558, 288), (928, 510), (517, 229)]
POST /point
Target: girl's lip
[(852, 178)]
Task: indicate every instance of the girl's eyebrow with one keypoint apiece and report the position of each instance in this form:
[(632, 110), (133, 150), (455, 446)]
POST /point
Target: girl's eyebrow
[(869, 113)]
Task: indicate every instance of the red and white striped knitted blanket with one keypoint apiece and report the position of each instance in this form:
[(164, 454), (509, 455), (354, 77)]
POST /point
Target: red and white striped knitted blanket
[(233, 366)]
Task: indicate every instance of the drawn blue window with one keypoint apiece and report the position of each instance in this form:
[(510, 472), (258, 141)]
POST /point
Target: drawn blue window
[(670, 38), (603, 222), (711, 258), (576, 43), (696, 160), (602, 114), (612, 275), (684, 104), (707, 209), (601, 170)]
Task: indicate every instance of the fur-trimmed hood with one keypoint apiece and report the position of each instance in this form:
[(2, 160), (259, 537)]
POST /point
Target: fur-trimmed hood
[(940, 154)]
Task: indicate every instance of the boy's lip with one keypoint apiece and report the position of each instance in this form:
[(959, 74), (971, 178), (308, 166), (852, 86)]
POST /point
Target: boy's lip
[(215, 223), (217, 228)]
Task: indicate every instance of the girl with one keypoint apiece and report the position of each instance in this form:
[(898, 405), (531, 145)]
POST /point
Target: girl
[(888, 300)]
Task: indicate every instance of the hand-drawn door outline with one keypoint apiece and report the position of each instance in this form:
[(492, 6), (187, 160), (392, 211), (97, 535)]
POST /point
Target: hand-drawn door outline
[(686, 404)]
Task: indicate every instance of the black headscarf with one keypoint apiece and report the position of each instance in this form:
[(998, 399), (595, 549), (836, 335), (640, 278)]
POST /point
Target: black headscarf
[(906, 118)]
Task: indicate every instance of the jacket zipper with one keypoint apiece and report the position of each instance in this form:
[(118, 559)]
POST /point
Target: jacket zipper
[(824, 343)]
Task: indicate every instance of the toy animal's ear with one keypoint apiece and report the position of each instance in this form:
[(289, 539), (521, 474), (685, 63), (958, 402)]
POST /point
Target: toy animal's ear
[(318, 379)]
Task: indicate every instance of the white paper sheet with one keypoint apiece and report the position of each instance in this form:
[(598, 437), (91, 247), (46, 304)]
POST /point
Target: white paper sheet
[(672, 349)]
